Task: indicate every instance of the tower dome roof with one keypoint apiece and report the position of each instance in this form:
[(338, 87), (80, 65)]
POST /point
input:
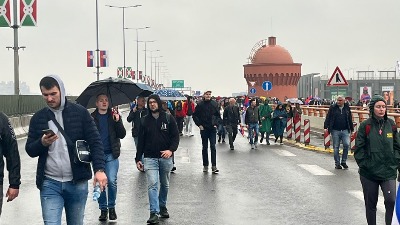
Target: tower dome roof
[(270, 53)]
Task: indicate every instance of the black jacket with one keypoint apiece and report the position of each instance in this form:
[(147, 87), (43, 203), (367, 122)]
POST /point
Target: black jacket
[(78, 125), (116, 131), (134, 118), (156, 135), (231, 115), (333, 113), (9, 150), (207, 114), (252, 115)]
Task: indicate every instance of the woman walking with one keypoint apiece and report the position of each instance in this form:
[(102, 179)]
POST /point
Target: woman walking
[(279, 122), (265, 112)]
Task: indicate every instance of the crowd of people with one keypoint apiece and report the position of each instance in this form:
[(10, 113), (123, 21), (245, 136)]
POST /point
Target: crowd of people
[(157, 126)]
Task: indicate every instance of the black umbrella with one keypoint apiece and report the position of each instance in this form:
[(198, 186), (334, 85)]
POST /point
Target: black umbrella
[(119, 91)]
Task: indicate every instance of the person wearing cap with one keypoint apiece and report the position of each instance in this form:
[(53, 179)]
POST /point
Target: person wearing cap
[(158, 139), (377, 154), (207, 116), (339, 123)]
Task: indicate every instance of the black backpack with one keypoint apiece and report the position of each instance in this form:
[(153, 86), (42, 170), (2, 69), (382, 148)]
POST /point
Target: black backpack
[(178, 106)]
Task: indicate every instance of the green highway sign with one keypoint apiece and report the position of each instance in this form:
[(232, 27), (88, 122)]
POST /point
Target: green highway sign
[(178, 84)]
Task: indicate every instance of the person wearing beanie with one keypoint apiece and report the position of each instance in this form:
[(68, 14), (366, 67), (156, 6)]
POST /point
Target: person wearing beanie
[(339, 123), (158, 139), (377, 154)]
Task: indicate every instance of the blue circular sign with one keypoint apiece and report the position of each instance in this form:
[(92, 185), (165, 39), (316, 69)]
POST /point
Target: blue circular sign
[(252, 90), (266, 85)]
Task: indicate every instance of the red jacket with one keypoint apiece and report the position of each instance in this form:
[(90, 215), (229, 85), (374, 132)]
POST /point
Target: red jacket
[(181, 113), (185, 107)]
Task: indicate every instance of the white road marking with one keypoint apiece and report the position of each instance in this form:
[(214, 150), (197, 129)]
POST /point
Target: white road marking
[(360, 195), (283, 152), (316, 170)]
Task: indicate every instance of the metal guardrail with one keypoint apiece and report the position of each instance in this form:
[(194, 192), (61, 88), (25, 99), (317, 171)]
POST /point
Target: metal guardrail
[(13, 105)]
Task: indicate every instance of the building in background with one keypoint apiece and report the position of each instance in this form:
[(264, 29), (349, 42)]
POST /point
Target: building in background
[(7, 88), (362, 86), (272, 63)]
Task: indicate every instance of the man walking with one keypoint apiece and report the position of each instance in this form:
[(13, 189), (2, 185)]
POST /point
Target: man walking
[(9, 150), (231, 121), (134, 116), (111, 130), (206, 116), (339, 123), (252, 121), (158, 140), (61, 178)]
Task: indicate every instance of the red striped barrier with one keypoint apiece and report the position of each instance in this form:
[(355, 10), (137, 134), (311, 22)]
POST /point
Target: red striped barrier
[(327, 139), (297, 130), (306, 131), (289, 128), (353, 138)]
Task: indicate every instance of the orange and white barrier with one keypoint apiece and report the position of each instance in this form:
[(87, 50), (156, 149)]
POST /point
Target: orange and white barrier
[(289, 128), (306, 131)]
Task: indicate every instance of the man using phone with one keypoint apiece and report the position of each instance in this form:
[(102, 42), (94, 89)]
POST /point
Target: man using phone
[(111, 129), (61, 178), (9, 150)]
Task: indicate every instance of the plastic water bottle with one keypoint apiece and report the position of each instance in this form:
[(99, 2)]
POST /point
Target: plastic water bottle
[(96, 192)]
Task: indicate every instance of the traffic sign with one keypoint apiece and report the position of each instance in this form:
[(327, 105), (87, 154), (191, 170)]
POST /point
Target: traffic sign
[(337, 79), (266, 85), (178, 83), (252, 90)]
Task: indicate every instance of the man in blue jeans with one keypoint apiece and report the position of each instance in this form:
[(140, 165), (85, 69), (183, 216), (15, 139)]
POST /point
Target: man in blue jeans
[(207, 116), (61, 178), (252, 121), (158, 139), (111, 130), (339, 123)]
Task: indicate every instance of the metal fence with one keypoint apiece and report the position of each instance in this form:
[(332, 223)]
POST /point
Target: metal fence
[(23, 104)]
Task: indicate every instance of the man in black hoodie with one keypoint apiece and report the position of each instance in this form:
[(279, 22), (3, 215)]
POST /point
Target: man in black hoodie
[(207, 116), (9, 150), (158, 139)]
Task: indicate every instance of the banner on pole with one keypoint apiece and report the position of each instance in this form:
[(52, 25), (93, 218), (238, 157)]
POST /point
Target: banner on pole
[(89, 59), (103, 58), (140, 76), (119, 72), (5, 13), (128, 73), (27, 13)]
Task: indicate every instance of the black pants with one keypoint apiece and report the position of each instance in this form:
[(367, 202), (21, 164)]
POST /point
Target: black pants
[(179, 122), (209, 134), (266, 136), (371, 189), (232, 132)]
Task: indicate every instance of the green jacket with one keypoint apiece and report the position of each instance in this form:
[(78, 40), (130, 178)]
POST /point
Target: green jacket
[(378, 155), (265, 111)]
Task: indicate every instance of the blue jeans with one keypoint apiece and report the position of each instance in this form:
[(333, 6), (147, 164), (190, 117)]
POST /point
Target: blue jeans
[(253, 127), (56, 195), (111, 170), (221, 131), (337, 136), (157, 173), (209, 134)]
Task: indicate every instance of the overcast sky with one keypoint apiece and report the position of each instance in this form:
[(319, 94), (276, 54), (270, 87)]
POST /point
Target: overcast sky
[(207, 42)]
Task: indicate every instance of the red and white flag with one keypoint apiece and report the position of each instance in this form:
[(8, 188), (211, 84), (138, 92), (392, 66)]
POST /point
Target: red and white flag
[(140, 76), (5, 13), (27, 12)]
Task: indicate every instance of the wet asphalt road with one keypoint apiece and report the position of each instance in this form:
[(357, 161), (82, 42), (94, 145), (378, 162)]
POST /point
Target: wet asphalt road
[(270, 185)]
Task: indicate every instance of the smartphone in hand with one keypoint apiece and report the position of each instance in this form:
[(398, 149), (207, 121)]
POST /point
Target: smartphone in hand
[(48, 131)]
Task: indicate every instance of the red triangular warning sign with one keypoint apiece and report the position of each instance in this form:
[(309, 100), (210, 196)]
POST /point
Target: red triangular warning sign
[(337, 79)]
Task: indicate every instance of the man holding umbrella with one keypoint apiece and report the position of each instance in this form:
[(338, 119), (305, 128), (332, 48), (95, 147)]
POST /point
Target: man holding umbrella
[(111, 130)]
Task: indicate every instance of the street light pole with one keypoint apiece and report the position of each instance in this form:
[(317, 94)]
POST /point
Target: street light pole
[(97, 42), (151, 63), (145, 56), (137, 49), (123, 29)]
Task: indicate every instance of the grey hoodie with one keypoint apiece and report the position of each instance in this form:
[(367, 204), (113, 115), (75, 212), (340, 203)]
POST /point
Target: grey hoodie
[(58, 165)]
